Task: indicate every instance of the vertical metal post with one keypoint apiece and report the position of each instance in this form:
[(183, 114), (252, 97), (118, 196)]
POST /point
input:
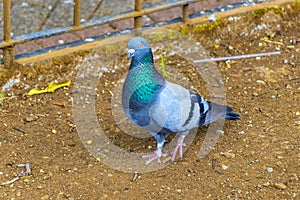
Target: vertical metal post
[(185, 13), (138, 4), (8, 52), (76, 13)]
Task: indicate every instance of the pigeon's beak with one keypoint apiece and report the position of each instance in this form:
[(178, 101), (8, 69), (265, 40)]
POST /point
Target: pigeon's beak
[(130, 53)]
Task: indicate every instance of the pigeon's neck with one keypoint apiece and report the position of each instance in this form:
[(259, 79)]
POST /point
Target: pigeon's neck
[(143, 81), (142, 68), (142, 57)]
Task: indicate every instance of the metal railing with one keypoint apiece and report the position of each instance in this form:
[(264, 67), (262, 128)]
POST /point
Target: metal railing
[(8, 43)]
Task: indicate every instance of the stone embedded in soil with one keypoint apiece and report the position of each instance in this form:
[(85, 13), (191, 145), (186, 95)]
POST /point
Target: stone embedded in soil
[(45, 197), (281, 186), (224, 167), (266, 184), (228, 154), (89, 142), (270, 169), (30, 118)]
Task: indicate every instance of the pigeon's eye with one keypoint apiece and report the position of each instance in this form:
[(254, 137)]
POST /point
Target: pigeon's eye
[(141, 45)]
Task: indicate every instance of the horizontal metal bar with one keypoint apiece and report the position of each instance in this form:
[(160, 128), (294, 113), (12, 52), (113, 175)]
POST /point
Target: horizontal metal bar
[(238, 57), (94, 22)]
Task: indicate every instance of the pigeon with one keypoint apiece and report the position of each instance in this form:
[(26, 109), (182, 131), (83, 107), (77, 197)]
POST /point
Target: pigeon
[(162, 107)]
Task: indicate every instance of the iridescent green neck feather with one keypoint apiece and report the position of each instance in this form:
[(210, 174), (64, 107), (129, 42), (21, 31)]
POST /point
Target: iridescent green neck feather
[(143, 80)]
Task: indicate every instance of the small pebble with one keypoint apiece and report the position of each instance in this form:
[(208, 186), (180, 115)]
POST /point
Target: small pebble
[(26, 180), (89, 142), (60, 42), (241, 132), (224, 167), (266, 184), (228, 154), (39, 187), (220, 132), (260, 81), (25, 5), (30, 118), (269, 169), (212, 18), (45, 197), (280, 186)]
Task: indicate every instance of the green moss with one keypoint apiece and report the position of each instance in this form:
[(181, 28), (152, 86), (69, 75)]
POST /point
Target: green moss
[(113, 49), (208, 26), (184, 30), (2, 95), (260, 12), (159, 36), (162, 35), (297, 4)]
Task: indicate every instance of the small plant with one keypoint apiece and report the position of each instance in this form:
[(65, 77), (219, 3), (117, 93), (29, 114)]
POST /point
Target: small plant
[(164, 58), (163, 65)]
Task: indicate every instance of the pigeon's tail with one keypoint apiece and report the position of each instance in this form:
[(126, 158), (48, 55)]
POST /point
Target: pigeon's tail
[(217, 111), (230, 115)]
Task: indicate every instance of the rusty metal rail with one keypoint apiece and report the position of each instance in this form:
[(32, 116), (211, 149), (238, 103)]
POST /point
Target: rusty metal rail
[(8, 43)]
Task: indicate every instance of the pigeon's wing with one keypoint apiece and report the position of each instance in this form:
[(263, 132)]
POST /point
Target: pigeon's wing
[(177, 109)]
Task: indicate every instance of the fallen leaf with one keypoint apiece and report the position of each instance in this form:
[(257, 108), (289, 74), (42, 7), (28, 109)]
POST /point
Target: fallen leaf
[(50, 88)]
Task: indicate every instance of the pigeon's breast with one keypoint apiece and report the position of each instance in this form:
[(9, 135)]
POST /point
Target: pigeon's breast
[(140, 90)]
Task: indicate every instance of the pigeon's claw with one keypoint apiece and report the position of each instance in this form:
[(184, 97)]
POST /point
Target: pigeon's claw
[(155, 156), (179, 146)]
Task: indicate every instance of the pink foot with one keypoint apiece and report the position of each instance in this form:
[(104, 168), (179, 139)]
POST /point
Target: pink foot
[(155, 156), (179, 146)]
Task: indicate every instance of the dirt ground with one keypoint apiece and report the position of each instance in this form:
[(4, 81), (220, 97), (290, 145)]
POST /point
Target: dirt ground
[(256, 158)]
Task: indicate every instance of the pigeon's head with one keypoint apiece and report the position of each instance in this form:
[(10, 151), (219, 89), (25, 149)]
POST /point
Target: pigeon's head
[(135, 44)]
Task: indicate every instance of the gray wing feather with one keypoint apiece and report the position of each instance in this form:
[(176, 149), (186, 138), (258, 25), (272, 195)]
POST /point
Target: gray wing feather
[(175, 109)]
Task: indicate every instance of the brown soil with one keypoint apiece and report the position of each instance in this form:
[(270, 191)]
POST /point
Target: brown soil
[(40, 129)]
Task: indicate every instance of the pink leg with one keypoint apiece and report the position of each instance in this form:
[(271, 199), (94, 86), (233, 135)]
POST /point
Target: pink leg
[(179, 146), (155, 156)]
